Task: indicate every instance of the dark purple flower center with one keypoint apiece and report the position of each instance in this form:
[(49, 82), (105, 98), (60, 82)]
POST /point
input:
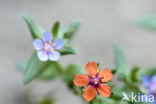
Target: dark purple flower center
[(95, 80)]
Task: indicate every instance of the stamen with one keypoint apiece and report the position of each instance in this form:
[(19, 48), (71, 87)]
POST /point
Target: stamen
[(96, 82), (54, 44), (52, 49), (45, 44), (46, 48), (51, 42), (104, 76), (98, 71), (93, 76)]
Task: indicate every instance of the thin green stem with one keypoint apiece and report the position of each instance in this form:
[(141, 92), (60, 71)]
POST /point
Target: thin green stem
[(60, 69)]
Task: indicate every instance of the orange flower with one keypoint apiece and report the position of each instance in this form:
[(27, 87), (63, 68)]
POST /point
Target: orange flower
[(95, 81)]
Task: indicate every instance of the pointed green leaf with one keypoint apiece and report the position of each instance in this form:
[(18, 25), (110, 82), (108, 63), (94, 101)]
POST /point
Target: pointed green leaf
[(122, 77), (68, 31), (34, 68), (55, 29), (148, 21), (121, 63), (68, 49), (134, 74), (50, 72), (114, 71), (35, 30)]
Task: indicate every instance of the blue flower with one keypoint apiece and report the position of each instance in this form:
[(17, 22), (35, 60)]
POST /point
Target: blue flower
[(150, 84), (47, 49)]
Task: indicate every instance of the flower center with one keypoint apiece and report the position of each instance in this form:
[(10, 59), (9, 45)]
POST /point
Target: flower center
[(48, 47), (95, 80)]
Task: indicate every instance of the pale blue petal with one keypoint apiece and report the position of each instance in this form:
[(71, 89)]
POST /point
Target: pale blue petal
[(54, 56), (145, 81), (42, 56), (58, 43), (37, 43), (153, 79), (47, 36)]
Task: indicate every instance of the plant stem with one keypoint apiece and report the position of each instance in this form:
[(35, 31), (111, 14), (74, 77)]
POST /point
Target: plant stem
[(60, 69)]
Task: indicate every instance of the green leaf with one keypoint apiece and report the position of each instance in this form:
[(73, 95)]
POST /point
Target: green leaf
[(50, 72), (98, 64), (102, 100), (70, 72), (34, 68), (47, 100), (118, 92), (134, 74), (68, 49), (114, 71), (55, 29), (121, 63), (122, 77), (68, 31), (148, 21), (35, 30)]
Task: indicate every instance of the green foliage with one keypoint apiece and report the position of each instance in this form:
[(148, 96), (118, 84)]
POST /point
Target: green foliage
[(68, 31), (98, 64), (134, 74), (47, 70), (65, 33), (50, 69), (47, 74), (128, 90), (103, 100), (50, 72), (114, 71), (34, 68), (55, 29), (47, 100), (35, 30), (70, 72), (122, 77), (121, 63), (68, 49), (148, 21)]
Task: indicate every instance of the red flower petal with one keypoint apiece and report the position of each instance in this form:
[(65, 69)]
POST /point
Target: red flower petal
[(89, 93), (106, 75), (81, 80), (104, 90), (91, 68)]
